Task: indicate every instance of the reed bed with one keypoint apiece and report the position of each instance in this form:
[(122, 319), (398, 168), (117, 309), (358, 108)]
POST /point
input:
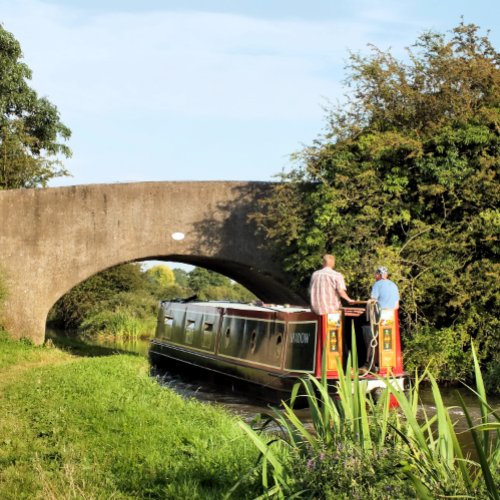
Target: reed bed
[(121, 324), (355, 448)]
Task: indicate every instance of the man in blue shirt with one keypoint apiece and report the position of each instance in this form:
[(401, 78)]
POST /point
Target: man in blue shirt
[(385, 292)]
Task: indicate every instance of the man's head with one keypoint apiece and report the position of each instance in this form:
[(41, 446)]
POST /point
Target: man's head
[(381, 273), (328, 261)]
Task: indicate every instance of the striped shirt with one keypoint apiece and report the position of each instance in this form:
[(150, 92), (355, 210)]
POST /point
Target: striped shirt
[(324, 290)]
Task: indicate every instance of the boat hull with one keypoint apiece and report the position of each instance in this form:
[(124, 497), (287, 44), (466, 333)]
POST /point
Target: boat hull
[(229, 376)]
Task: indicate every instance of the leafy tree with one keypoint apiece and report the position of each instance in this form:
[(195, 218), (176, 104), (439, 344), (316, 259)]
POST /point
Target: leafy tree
[(127, 293), (30, 128), (181, 277), (161, 275), (117, 286), (200, 278), (233, 292), (407, 176)]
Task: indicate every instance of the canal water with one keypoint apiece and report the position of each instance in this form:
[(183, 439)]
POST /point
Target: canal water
[(248, 407)]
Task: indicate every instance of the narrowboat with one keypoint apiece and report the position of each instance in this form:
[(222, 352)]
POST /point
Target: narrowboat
[(269, 347)]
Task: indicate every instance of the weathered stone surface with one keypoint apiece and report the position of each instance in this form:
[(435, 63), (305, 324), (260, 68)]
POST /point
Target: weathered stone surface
[(52, 239)]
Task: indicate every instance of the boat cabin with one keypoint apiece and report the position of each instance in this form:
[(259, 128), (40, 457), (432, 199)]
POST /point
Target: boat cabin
[(271, 346)]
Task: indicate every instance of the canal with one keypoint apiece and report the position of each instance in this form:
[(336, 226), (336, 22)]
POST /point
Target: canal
[(247, 407)]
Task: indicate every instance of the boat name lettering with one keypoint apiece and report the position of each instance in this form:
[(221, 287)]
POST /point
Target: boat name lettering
[(300, 338)]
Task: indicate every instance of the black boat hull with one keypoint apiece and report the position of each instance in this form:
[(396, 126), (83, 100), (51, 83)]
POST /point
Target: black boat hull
[(261, 383)]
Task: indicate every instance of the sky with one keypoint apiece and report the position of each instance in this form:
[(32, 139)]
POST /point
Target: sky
[(206, 90)]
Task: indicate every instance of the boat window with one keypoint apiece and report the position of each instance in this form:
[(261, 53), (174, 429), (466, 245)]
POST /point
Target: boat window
[(253, 341), (206, 341), (190, 326), (227, 337), (278, 349), (169, 321)]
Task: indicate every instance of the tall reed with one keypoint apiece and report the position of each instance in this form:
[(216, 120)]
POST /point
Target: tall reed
[(121, 324), (423, 449), (437, 461)]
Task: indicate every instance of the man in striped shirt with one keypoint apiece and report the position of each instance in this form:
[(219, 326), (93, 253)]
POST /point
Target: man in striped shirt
[(327, 287)]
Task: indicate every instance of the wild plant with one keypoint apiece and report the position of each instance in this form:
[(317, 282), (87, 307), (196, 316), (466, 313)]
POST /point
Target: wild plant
[(340, 435), (408, 452), (436, 461)]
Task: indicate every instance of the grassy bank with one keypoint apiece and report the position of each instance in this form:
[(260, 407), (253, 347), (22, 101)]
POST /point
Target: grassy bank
[(77, 427)]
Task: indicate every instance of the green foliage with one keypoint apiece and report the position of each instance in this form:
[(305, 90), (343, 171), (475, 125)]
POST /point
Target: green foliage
[(181, 277), (209, 285), (121, 323), (200, 278), (103, 428), (356, 449), (30, 128), (116, 287), (231, 292), (123, 301), (492, 377), (161, 275), (407, 176), (437, 464), (444, 352)]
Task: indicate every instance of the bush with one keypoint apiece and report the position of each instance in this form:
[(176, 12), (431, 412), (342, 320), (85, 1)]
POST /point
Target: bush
[(492, 377), (445, 352), (353, 448), (124, 300), (405, 175), (347, 471)]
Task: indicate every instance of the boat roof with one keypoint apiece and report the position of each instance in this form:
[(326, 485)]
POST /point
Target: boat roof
[(283, 308)]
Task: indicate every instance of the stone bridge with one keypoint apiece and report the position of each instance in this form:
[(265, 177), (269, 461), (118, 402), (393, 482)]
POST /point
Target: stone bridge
[(52, 239)]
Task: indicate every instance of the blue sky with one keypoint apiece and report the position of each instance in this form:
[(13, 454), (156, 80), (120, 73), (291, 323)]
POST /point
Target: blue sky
[(205, 90)]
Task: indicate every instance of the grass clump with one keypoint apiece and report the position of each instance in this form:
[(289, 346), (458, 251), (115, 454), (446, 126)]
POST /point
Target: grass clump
[(356, 449), (120, 324), (16, 357), (103, 428)]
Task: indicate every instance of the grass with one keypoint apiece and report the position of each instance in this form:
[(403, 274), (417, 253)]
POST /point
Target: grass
[(120, 324), (101, 427)]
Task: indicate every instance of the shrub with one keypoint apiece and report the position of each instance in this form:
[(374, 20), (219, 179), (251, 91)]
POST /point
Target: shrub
[(358, 450), (444, 352), (492, 377)]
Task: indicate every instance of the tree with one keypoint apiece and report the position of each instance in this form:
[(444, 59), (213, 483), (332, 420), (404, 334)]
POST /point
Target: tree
[(161, 275), (200, 278), (30, 128), (181, 277), (406, 176), (118, 286)]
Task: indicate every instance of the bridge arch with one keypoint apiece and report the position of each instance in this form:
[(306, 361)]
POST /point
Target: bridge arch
[(53, 239)]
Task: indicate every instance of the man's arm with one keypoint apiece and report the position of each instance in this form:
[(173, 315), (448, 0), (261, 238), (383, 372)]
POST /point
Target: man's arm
[(344, 295)]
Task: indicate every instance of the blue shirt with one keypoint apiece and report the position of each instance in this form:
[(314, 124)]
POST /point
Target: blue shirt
[(386, 293)]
